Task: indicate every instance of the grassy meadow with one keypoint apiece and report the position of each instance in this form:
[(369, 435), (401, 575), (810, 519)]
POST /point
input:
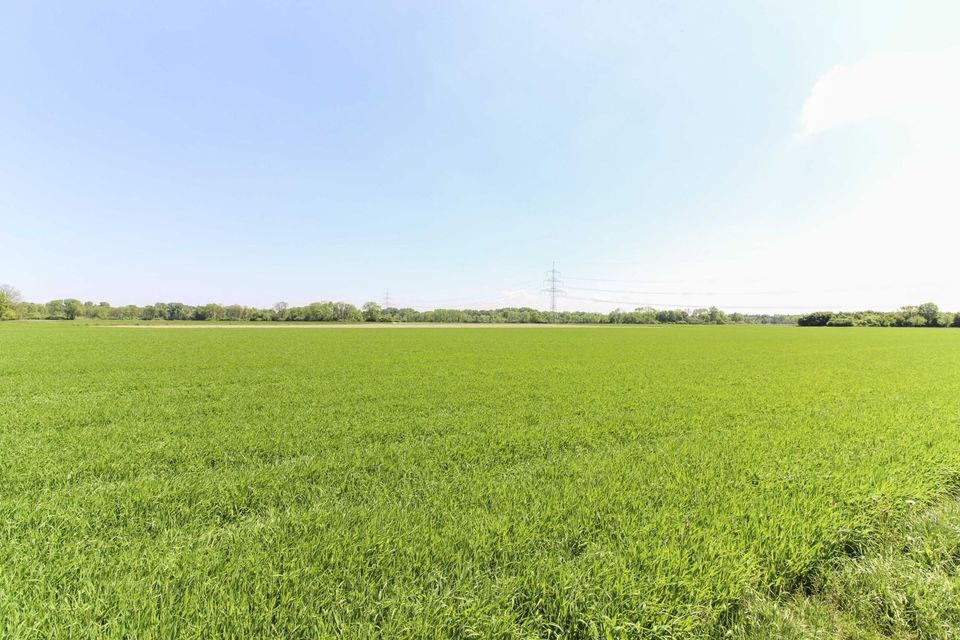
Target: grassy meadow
[(581, 482)]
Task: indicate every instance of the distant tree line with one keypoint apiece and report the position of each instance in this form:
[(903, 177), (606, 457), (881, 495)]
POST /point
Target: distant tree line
[(925, 315), (13, 307)]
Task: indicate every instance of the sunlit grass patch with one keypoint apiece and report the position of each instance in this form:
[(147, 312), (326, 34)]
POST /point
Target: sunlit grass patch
[(670, 482)]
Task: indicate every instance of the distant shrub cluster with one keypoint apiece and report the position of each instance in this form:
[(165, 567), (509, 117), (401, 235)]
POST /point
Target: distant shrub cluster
[(925, 315)]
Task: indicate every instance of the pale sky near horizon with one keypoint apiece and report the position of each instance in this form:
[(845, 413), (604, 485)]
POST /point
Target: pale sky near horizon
[(758, 156)]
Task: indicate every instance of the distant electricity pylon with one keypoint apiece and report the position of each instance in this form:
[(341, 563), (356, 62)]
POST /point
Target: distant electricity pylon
[(552, 286), (386, 299)]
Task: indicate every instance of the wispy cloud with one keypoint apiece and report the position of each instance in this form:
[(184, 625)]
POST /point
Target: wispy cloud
[(896, 232), (914, 89)]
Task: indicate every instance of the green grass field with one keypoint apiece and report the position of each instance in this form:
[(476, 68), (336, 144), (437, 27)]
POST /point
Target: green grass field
[(457, 483)]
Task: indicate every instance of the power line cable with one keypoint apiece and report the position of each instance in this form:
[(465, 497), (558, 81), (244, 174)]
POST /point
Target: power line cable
[(634, 281), (661, 304), (685, 293)]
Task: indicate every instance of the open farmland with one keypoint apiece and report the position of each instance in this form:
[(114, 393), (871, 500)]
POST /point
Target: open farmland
[(440, 482)]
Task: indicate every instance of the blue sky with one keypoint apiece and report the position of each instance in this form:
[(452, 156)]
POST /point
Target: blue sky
[(753, 155)]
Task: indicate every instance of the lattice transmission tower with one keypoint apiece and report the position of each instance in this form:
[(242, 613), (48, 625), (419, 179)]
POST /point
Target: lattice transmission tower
[(552, 286)]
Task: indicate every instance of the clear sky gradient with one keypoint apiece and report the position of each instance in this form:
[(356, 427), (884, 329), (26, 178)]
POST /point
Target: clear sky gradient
[(754, 155)]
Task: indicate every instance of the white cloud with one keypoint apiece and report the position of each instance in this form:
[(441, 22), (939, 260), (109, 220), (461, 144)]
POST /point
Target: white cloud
[(895, 238), (912, 89)]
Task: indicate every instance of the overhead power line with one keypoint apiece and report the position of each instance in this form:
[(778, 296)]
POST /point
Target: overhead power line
[(634, 281), (684, 293), (635, 303)]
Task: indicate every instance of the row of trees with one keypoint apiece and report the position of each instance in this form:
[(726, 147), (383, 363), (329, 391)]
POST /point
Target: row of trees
[(713, 315), (13, 307), (924, 315)]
